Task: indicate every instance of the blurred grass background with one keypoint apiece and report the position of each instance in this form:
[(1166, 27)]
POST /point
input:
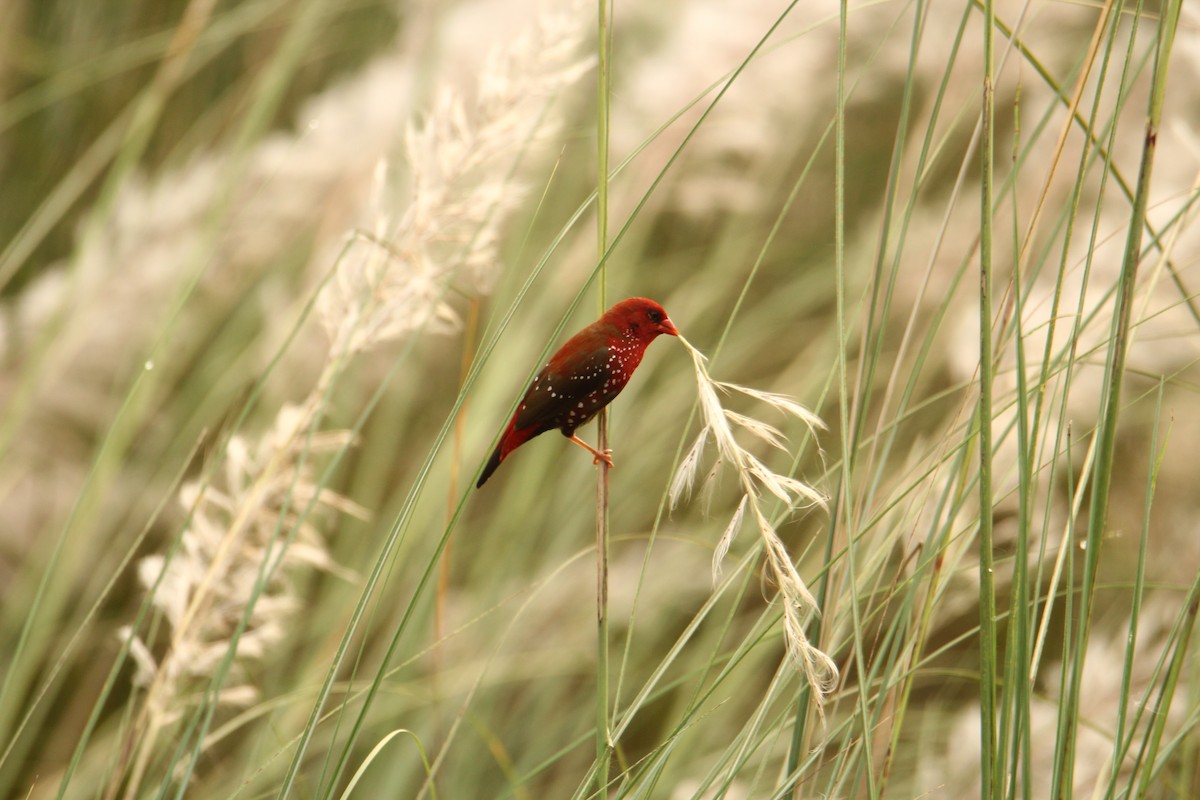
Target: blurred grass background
[(182, 181)]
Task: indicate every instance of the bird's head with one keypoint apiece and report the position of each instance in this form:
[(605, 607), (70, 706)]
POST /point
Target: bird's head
[(640, 319)]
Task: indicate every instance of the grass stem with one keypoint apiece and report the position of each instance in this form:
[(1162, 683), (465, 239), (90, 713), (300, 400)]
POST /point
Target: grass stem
[(602, 107), (987, 585)]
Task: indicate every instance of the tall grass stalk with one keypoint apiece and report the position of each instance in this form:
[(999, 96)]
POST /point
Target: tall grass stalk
[(1123, 722), (988, 773), (603, 741), (845, 526), (1114, 375)]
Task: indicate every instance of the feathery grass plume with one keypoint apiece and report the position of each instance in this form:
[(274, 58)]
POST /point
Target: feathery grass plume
[(754, 478), (234, 529), (101, 309), (234, 556), (463, 184)]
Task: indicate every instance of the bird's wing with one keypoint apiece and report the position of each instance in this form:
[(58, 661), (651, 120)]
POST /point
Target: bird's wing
[(564, 382)]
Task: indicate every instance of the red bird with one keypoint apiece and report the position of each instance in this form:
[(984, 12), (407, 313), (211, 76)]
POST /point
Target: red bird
[(583, 377)]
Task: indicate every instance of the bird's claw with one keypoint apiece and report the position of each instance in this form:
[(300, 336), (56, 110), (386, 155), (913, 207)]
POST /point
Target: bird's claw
[(604, 455)]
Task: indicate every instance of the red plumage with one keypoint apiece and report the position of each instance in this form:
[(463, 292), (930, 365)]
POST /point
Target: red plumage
[(583, 377)]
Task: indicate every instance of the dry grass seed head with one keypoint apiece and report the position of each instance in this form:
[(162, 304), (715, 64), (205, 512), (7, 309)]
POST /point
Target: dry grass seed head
[(754, 477), (464, 180), (232, 554)]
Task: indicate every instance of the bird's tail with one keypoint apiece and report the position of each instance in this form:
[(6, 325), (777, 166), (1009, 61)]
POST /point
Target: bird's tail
[(492, 464)]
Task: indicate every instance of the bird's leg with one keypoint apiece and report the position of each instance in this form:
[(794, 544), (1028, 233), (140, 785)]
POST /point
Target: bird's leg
[(599, 455)]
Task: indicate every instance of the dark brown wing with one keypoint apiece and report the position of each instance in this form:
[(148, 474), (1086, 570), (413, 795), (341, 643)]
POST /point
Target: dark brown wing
[(553, 399)]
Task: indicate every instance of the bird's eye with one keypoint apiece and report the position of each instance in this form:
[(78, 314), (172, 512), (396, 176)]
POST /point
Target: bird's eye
[(655, 316)]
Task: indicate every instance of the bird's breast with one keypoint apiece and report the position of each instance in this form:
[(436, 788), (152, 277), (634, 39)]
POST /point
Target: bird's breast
[(623, 358)]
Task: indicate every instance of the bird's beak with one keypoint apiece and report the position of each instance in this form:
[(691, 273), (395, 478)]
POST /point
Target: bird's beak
[(666, 326)]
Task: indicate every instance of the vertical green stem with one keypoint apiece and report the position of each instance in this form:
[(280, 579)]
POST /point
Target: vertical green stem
[(844, 411), (602, 721), (1114, 376), (1013, 742), (987, 587)]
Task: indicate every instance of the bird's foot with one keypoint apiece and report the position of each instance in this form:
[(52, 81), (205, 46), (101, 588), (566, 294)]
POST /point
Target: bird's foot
[(597, 455)]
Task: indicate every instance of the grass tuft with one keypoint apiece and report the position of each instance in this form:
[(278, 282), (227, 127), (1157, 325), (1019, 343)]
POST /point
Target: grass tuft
[(274, 273)]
